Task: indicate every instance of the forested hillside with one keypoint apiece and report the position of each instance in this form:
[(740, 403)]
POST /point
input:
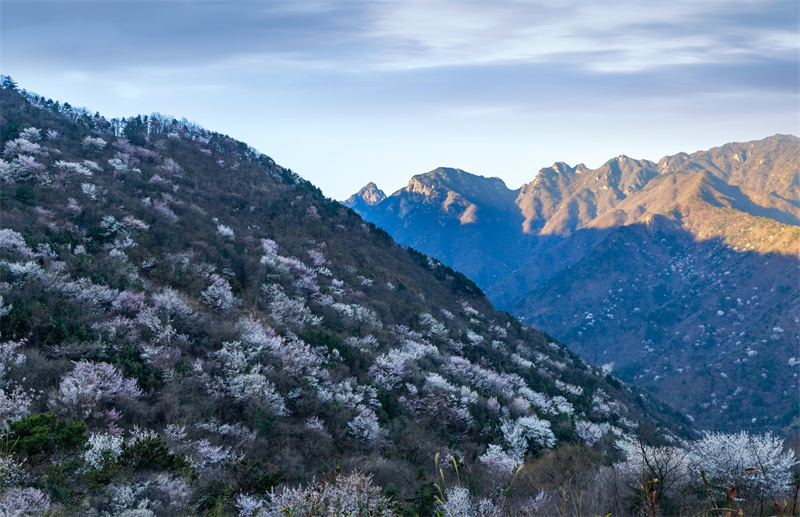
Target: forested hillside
[(190, 328)]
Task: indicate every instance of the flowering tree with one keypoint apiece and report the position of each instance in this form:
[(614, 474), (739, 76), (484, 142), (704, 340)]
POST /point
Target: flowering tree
[(667, 465), (13, 241), (289, 311), (14, 401), (89, 383), (219, 295), (365, 427), (95, 143), (528, 432), (345, 495), (244, 379), (226, 231), (102, 448), (746, 461), (24, 501), (75, 168)]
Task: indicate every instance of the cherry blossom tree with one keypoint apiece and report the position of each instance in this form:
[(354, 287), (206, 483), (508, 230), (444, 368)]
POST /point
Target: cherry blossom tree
[(219, 295), (89, 383), (751, 462), (95, 143)]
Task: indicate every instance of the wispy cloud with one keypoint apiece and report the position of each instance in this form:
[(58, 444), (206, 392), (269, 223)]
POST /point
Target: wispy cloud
[(621, 36)]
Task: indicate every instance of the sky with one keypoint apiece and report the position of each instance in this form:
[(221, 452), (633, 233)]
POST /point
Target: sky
[(348, 92)]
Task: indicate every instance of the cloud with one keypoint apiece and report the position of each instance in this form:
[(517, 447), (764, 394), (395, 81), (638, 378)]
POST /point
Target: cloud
[(610, 36), (601, 36)]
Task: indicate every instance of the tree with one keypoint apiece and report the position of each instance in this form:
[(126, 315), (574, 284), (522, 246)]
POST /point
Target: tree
[(748, 462), (8, 83)]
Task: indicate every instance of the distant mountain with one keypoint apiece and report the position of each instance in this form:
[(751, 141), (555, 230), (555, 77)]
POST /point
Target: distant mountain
[(370, 195), (460, 218), (573, 235), (183, 316)]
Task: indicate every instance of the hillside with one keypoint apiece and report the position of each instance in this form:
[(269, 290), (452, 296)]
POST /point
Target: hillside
[(711, 330), (558, 257), (186, 322)]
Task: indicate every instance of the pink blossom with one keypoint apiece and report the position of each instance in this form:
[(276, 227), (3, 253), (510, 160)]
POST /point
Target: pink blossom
[(89, 383), (270, 247), (129, 303), (22, 146), (170, 168), (29, 165)]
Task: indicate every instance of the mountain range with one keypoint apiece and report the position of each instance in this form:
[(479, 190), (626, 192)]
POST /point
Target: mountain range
[(680, 276)]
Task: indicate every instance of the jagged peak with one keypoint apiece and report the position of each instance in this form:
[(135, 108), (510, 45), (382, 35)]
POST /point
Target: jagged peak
[(453, 177), (369, 194), (442, 181)]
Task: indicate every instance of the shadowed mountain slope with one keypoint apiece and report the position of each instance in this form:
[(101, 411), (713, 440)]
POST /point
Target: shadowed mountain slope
[(744, 197)]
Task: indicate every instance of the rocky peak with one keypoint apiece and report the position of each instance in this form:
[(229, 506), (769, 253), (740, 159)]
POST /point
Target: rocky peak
[(369, 195)]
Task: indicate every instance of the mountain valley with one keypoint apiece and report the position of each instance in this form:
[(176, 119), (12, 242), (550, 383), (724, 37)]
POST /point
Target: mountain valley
[(681, 276)]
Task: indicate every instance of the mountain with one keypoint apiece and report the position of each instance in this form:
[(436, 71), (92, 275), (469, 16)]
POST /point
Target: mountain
[(187, 325), (695, 300), (573, 237), (370, 195), (455, 216)]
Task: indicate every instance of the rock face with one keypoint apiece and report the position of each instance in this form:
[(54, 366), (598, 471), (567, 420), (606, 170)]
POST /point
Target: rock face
[(370, 195), (553, 255)]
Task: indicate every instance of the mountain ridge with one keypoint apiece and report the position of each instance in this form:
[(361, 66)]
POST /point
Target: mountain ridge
[(727, 194)]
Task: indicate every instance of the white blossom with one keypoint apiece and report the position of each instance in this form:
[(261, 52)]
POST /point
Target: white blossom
[(89, 383), (90, 142), (22, 502), (219, 295), (226, 231), (102, 447), (726, 459)]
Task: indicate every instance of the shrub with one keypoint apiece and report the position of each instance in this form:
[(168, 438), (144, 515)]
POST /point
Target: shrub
[(39, 434), (151, 454)]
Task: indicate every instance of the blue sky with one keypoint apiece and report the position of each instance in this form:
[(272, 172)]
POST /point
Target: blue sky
[(347, 92)]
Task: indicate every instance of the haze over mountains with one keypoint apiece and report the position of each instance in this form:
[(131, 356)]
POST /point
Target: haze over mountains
[(680, 275)]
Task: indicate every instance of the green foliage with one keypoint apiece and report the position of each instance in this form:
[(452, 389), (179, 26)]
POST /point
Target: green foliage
[(380, 234), (135, 130), (613, 382), (129, 359), (68, 329), (262, 423), (253, 477), (17, 322), (152, 454), (213, 496), (459, 283), (65, 481), (423, 502), (390, 404), (26, 194), (317, 338), (35, 435), (7, 83), (108, 470)]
